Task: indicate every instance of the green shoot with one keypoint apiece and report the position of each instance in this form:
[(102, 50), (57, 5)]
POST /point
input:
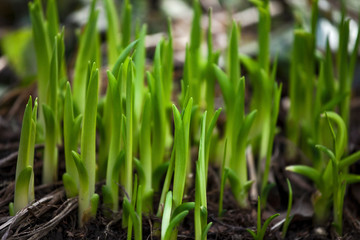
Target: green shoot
[(182, 158), (346, 66), (237, 126), (86, 163), (160, 129), (224, 176), (43, 53), (300, 118), (261, 230), (50, 112), (288, 217), (209, 71), (71, 137), (24, 181), (200, 213), (145, 153), (84, 55), (105, 132), (171, 220), (135, 209), (332, 180), (274, 117), (112, 173), (126, 23), (112, 33), (129, 129)]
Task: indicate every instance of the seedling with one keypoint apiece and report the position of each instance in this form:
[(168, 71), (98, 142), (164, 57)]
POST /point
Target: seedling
[(71, 137), (261, 230), (200, 214), (50, 111), (173, 216), (87, 51), (288, 217), (116, 156), (237, 125), (88, 199), (331, 181), (24, 180)]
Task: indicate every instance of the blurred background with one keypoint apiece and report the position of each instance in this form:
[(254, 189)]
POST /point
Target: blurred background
[(17, 56)]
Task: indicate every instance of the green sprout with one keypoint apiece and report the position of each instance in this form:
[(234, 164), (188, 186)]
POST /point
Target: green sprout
[(112, 33), (332, 180), (238, 125), (87, 52), (86, 162), (106, 118), (50, 113), (42, 44), (134, 209), (261, 230), (346, 66), (212, 58), (110, 190), (288, 217), (173, 216), (145, 154), (24, 180), (160, 125), (182, 152), (200, 214), (71, 137)]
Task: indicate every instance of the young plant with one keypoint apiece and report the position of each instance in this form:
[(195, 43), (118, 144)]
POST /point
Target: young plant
[(43, 54), (212, 58), (134, 209), (50, 111), (129, 129), (261, 230), (332, 180), (160, 126), (116, 156), (180, 160), (270, 142), (106, 116), (172, 217), (86, 163), (238, 125), (112, 33), (87, 51), (300, 125), (145, 154), (182, 150), (288, 217), (200, 213), (71, 137), (346, 66), (24, 178)]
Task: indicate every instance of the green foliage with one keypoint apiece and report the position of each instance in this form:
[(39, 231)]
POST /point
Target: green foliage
[(171, 218), (50, 112), (200, 213), (288, 217), (86, 163), (24, 180), (112, 33), (71, 136), (260, 233), (332, 180), (85, 54), (182, 157)]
